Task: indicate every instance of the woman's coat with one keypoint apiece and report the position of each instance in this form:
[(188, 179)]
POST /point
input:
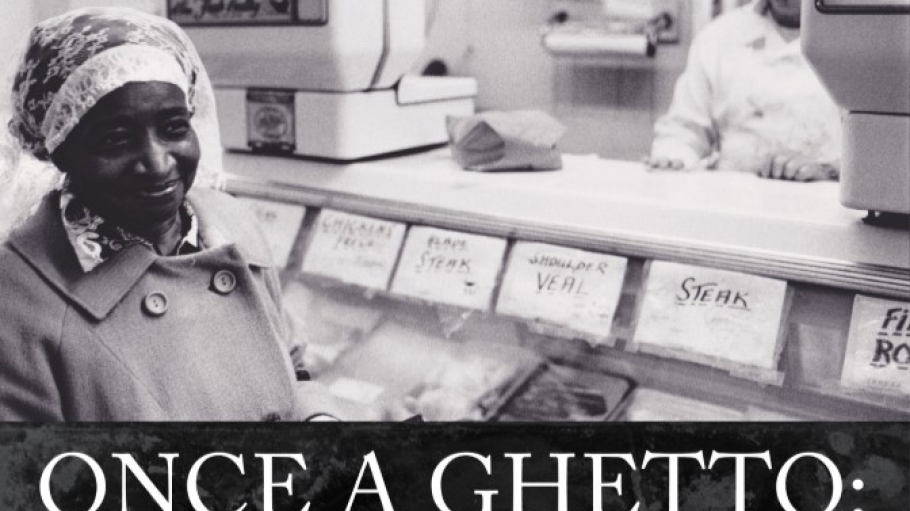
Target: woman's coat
[(144, 337)]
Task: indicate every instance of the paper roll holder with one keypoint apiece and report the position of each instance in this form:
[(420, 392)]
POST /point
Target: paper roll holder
[(651, 32)]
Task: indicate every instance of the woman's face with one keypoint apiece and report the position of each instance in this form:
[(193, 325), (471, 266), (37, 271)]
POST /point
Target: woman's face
[(786, 12), (133, 157)]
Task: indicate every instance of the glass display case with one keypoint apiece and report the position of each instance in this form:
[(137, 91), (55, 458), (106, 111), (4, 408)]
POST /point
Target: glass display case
[(597, 292)]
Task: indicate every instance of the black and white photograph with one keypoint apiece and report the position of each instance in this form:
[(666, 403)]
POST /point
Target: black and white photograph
[(292, 253)]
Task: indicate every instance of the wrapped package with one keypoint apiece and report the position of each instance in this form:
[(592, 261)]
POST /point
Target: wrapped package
[(517, 140)]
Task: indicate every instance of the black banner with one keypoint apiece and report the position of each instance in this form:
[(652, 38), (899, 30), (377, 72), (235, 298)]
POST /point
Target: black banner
[(457, 467)]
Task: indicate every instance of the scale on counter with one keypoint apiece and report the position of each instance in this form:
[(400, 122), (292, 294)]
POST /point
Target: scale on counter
[(860, 50), (321, 78)]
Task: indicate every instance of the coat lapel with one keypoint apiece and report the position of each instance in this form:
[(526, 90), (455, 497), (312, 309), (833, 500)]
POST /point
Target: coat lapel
[(42, 242)]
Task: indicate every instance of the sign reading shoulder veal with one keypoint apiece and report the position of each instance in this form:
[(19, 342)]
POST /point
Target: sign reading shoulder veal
[(712, 314), (449, 267), (878, 349), (352, 248), (569, 287), (280, 223)]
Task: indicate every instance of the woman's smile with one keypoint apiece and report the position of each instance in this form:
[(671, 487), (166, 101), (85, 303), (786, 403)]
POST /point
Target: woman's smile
[(165, 190)]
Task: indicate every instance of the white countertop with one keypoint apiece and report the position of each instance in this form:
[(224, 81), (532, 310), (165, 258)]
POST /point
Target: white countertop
[(725, 219)]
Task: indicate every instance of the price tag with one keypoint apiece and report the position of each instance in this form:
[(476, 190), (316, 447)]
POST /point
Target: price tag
[(449, 267), (713, 314), (878, 349), (568, 287), (280, 223), (355, 249)]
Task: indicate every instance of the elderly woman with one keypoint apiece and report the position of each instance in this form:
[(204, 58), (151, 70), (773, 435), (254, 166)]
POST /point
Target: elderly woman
[(129, 294)]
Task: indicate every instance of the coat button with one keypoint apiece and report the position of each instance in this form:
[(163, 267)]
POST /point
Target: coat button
[(155, 304), (224, 282), (272, 417)]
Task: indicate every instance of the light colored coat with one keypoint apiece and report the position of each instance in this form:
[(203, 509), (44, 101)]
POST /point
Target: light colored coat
[(84, 347), (750, 94)]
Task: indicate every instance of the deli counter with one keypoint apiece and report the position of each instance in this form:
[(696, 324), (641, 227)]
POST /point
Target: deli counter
[(601, 291)]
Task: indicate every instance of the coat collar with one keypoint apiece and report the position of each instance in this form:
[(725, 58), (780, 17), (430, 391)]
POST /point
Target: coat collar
[(223, 220), (42, 242)]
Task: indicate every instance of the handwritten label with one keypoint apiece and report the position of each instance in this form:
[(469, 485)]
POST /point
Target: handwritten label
[(449, 267), (355, 249), (280, 223), (568, 287), (878, 349), (714, 314)]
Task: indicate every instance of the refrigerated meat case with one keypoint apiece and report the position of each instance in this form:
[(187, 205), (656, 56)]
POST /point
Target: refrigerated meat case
[(371, 342)]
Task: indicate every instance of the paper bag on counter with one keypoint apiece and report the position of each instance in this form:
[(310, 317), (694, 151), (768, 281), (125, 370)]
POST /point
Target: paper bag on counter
[(519, 140)]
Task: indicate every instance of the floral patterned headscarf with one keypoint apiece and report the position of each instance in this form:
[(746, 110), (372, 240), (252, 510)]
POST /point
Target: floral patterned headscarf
[(73, 60)]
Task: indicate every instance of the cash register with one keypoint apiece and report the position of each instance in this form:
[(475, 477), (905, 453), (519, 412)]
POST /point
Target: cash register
[(860, 50), (322, 78)]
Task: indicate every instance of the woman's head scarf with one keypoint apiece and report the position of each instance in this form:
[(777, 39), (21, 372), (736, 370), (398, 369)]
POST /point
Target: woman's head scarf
[(73, 60)]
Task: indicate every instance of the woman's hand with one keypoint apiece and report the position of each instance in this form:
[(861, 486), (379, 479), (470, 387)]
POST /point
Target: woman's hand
[(796, 168), (661, 163)]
